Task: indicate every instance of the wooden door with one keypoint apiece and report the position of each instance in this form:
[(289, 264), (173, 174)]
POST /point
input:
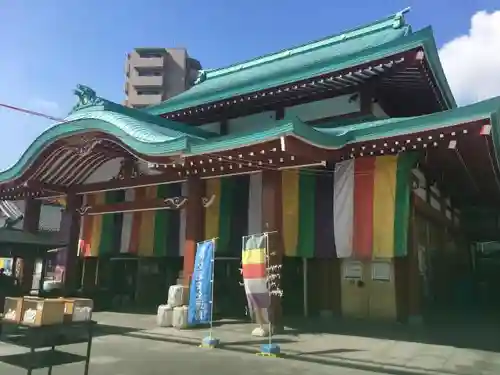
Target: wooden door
[(355, 293), (381, 289)]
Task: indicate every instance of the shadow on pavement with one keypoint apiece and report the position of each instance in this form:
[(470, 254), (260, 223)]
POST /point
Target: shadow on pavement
[(41, 359), (467, 331), (239, 346), (107, 330)]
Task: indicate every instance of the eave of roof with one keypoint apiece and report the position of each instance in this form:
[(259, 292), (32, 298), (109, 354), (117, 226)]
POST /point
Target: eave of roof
[(46, 240), (137, 123), (285, 66), (322, 137), (339, 137), (141, 132), (351, 48)]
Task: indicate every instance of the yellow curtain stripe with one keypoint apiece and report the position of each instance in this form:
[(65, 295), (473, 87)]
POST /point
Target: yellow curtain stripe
[(290, 191), (384, 206), (95, 239), (147, 226)]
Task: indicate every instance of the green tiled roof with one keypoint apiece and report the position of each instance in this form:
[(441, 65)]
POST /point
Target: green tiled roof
[(336, 137), (140, 125), (144, 133), (147, 139), (357, 46)]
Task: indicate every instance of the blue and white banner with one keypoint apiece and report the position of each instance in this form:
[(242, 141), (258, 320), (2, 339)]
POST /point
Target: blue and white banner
[(200, 293)]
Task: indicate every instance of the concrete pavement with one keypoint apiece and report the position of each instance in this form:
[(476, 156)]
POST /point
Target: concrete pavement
[(132, 344)]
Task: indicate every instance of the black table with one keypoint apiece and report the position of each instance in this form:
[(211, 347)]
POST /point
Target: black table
[(48, 337)]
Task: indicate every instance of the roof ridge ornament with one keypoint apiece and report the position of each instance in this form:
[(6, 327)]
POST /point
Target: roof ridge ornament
[(87, 97), (399, 18), (201, 77)]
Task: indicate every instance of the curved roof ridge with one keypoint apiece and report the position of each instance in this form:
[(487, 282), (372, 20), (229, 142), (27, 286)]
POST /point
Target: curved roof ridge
[(142, 142), (393, 21), (131, 117), (150, 134)]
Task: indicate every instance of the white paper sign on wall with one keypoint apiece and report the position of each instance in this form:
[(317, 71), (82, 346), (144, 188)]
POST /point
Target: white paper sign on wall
[(381, 271), (353, 270)]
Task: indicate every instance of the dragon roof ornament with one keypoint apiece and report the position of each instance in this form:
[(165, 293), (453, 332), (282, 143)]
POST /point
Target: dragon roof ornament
[(399, 18), (87, 97), (202, 76)]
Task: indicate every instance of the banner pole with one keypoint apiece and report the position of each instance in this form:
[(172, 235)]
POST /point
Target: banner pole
[(269, 313), (270, 349), (210, 341), (212, 290)]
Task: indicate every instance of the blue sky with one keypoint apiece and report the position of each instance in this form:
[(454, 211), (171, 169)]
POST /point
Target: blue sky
[(49, 46)]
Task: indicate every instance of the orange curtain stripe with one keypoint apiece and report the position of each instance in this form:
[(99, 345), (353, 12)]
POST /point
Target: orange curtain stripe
[(364, 171), (135, 234)]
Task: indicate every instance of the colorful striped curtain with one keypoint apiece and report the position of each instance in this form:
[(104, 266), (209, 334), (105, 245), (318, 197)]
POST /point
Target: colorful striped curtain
[(372, 206), (305, 196), (254, 204), (307, 204), (145, 233), (226, 217), (360, 209)]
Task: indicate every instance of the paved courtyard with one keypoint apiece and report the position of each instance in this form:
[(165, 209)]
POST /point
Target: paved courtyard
[(132, 344)]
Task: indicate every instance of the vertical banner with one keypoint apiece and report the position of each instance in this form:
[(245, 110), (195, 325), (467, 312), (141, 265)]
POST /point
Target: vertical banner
[(253, 259), (200, 293)]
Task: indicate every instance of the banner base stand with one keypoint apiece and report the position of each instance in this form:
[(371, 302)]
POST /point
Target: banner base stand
[(270, 350), (209, 342)]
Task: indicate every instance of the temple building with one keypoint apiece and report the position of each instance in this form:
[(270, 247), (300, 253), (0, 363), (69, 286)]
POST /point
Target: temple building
[(349, 150)]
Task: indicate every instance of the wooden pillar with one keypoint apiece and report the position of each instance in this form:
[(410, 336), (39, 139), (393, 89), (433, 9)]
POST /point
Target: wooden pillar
[(272, 221), (194, 225), (32, 209), (70, 231)]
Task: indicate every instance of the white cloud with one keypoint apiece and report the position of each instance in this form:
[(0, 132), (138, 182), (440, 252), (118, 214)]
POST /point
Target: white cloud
[(472, 61)]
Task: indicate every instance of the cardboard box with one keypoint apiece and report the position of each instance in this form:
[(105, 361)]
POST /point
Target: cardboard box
[(78, 309), (42, 312), (14, 308)]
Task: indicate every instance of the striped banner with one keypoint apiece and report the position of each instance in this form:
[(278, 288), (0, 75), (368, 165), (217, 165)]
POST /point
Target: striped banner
[(225, 218), (320, 211), (253, 260), (145, 233), (372, 206), (305, 209)]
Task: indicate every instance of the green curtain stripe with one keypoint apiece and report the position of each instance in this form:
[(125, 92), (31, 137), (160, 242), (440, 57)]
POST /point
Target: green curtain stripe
[(107, 227), (406, 162), (174, 221), (307, 206), (162, 221), (227, 189)]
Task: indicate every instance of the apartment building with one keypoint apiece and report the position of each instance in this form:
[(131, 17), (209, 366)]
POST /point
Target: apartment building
[(156, 74)]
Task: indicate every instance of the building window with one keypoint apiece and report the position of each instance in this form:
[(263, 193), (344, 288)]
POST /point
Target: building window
[(148, 92), (149, 73), (150, 55)]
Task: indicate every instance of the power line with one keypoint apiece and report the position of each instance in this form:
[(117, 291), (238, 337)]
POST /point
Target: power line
[(30, 112)]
